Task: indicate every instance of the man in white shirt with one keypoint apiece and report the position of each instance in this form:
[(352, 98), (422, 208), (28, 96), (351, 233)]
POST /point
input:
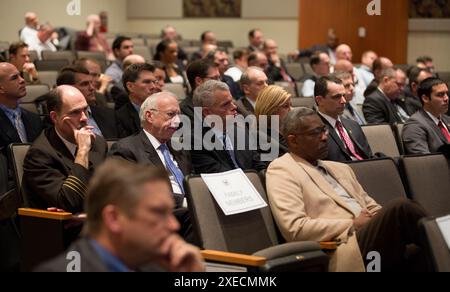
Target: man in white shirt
[(320, 64), (428, 129), (365, 71), (38, 37)]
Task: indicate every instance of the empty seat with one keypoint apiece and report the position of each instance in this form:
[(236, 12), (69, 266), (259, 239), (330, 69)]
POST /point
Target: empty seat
[(295, 70), (98, 56), (428, 182), (381, 139), (307, 70), (380, 178), (50, 65), (176, 89), (34, 91), (251, 232), (48, 78), (307, 102), (59, 55), (143, 51), (436, 249), (33, 56)]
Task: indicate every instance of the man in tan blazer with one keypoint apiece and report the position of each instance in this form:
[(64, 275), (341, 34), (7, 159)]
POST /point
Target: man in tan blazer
[(323, 201)]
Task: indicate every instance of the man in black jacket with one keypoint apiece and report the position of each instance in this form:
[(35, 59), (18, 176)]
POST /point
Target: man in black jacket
[(59, 164), (347, 141)]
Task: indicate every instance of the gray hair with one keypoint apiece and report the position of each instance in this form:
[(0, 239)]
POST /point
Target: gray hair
[(151, 103), (294, 119), (245, 78), (204, 94)]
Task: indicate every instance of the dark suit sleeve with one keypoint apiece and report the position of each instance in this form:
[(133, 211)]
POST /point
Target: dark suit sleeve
[(117, 150), (43, 178), (204, 162), (373, 112)]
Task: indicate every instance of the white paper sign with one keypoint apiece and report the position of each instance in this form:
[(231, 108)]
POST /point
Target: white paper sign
[(233, 192), (444, 226)]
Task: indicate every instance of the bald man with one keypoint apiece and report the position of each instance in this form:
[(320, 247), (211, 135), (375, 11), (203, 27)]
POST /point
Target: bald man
[(379, 65), (344, 52), (58, 166), (38, 37)]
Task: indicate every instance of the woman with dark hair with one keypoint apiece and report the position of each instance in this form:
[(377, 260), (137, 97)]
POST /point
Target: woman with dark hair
[(167, 53)]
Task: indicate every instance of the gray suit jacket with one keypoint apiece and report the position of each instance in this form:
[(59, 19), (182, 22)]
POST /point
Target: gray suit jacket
[(244, 107), (422, 136)]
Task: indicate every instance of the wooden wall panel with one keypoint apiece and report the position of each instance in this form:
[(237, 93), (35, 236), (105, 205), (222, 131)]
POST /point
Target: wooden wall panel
[(386, 34)]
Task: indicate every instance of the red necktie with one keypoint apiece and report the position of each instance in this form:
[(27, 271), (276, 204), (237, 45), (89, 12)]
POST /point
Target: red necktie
[(348, 142), (444, 131)]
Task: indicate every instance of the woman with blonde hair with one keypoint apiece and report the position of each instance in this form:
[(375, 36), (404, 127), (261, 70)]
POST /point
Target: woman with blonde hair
[(272, 101)]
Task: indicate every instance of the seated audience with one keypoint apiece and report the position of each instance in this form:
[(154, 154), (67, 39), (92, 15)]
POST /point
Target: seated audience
[(426, 62), (240, 65), (258, 59), (140, 82), (231, 146), (429, 129), (329, 48), (276, 71), (92, 39), (347, 141), (379, 65), (122, 47), (256, 40), (381, 106), (317, 200), (416, 76), (350, 112), (208, 42), (272, 101), (101, 119), (130, 226), (39, 38), (19, 56), (320, 64), (197, 73), (171, 34), (167, 53), (252, 82), (59, 164)]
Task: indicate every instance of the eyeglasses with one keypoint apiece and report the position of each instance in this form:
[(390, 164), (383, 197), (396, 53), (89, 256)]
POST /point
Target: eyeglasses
[(315, 132)]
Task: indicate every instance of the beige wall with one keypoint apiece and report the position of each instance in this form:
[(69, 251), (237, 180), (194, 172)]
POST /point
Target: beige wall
[(435, 44), (54, 11)]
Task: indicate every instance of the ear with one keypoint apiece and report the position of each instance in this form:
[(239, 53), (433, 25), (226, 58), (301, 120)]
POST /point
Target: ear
[(318, 99), (291, 140), (112, 219), (149, 116), (198, 81), (425, 99), (130, 86), (205, 112), (53, 116)]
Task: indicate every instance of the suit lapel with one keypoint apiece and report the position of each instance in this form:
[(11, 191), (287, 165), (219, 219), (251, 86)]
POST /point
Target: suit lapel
[(336, 138), (322, 183), (8, 128), (150, 150), (60, 148), (435, 128)]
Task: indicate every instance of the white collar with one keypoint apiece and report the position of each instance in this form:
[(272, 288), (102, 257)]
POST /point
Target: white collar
[(155, 142), (330, 120), (253, 103), (70, 146), (435, 119)]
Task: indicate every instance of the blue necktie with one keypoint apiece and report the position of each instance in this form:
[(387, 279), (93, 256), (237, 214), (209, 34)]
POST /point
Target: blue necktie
[(230, 151), (174, 170), (20, 128), (355, 114)]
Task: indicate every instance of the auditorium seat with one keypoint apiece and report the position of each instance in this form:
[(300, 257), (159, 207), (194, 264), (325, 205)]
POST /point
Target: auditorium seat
[(33, 56), (248, 233), (143, 51), (34, 91), (225, 44), (138, 41), (48, 78), (427, 180), (177, 89), (295, 70), (436, 248), (51, 65), (381, 139), (288, 87), (307, 102), (380, 178), (59, 55), (398, 130)]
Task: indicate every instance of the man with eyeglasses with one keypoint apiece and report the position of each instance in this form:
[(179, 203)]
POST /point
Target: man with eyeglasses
[(102, 119), (347, 141), (140, 82), (59, 164), (160, 119), (197, 73), (316, 200), (429, 129)]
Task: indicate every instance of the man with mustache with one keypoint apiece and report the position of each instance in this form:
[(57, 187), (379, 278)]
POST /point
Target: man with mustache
[(160, 119), (58, 166)]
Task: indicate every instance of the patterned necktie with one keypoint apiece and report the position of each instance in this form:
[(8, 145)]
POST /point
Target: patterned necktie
[(444, 131), (174, 170), (20, 128), (347, 141)]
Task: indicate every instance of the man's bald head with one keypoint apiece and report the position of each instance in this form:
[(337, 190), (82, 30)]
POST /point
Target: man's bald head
[(344, 52), (12, 85), (132, 59), (31, 19), (381, 64), (343, 66)]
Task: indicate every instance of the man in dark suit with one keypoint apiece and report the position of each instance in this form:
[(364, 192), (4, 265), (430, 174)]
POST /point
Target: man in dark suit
[(256, 40), (160, 120), (140, 82), (197, 73), (416, 76), (347, 141), (382, 106), (59, 164), (129, 226), (429, 129), (220, 58), (252, 82), (231, 147), (101, 118)]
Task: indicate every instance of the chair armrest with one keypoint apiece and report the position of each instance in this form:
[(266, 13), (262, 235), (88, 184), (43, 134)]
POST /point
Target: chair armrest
[(45, 214), (328, 245), (233, 258)]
